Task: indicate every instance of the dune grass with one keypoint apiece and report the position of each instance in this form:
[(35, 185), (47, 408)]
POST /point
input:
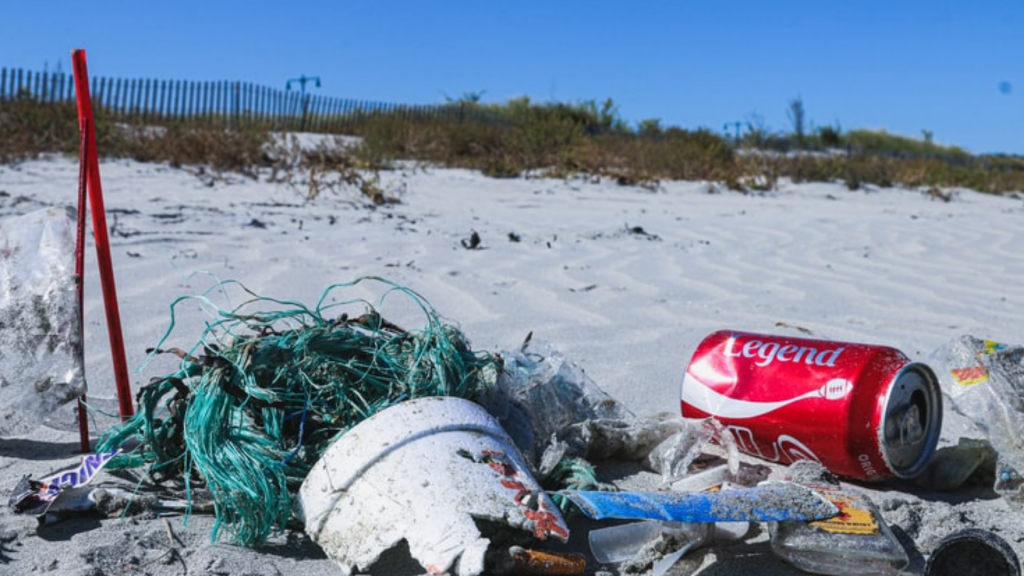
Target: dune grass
[(520, 138)]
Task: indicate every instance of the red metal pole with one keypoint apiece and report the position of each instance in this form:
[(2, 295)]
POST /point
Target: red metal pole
[(99, 230), (83, 417)]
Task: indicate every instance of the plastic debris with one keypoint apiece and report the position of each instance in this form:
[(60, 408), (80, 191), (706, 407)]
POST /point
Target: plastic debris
[(622, 542), (953, 466), (984, 381), (714, 476), (40, 335), (526, 561), (423, 471), (662, 552), (118, 502), (972, 552), (35, 496), (271, 384), (654, 547), (857, 542), (560, 419), (673, 456), (769, 501), (636, 542)]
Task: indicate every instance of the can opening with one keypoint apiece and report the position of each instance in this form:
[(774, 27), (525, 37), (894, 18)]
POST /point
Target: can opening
[(913, 417), (914, 428)]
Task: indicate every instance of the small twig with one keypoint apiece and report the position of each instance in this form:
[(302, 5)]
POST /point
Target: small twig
[(170, 534), (172, 550)]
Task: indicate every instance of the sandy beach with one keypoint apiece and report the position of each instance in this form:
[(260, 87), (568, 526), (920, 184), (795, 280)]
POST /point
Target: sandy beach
[(624, 281)]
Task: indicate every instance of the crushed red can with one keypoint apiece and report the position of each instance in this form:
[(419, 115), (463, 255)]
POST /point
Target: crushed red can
[(863, 411)]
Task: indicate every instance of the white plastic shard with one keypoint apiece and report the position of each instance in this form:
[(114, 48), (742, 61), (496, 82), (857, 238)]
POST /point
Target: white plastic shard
[(421, 471), (40, 337)]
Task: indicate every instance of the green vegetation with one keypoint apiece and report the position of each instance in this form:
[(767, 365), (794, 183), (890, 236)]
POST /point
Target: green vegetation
[(520, 138)]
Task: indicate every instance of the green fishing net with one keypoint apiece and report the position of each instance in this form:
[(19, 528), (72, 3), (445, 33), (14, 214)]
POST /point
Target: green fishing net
[(270, 384)]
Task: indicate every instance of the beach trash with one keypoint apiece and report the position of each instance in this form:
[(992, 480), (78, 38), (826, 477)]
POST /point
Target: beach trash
[(857, 542), (772, 501), (984, 381), (973, 552), (953, 466), (655, 545), (40, 336), (526, 561), (863, 411), (37, 496), (424, 471), (621, 542)]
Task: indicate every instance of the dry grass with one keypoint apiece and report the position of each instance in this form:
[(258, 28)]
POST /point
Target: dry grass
[(512, 140)]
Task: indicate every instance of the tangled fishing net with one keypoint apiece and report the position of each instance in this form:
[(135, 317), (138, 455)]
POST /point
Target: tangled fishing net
[(270, 384)]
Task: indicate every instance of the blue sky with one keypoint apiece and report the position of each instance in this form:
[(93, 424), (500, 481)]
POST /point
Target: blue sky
[(953, 68)]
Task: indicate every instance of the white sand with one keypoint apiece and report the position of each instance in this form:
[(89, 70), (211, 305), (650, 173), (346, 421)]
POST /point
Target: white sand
[(624, 281)]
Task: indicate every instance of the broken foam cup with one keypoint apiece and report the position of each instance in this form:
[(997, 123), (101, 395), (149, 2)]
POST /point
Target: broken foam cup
[(422, 471)]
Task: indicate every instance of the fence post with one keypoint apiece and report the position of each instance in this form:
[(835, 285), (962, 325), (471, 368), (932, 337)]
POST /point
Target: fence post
[(237, 88), (147, 107), (261, 94), (100, 94), (202, 101), (172, 98), (225, 102), (153, 104), (276, 109), (161, 106), (218, 112), (314, 113), (250, 107), (133, 99), (115, 102)]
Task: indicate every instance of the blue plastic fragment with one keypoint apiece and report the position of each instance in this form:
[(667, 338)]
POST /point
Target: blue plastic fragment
[(767, 502)]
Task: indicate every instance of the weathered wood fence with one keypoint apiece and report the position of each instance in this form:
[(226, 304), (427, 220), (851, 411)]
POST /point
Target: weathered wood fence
[(220, 102)]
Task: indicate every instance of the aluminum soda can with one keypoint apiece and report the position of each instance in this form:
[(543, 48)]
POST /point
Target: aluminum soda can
[(863, 411)]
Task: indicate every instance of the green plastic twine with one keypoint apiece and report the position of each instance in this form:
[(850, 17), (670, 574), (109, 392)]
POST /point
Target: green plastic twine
[(270, 384)]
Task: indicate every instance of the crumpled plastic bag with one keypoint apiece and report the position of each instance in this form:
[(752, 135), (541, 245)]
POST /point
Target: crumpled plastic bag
[(41, 366), (553, 411), (983, 382)]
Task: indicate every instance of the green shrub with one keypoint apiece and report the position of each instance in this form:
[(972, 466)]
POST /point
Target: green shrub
[(881, 142)]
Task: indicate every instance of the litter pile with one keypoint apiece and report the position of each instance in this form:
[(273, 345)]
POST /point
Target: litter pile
[(263, 393), (364, 433)]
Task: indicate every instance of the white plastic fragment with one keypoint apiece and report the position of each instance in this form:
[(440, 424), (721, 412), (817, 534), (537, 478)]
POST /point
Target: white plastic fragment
[(421, 471), (40, 337)]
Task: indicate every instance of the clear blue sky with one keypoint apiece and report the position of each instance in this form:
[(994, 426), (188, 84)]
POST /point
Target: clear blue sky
[(955, 68)]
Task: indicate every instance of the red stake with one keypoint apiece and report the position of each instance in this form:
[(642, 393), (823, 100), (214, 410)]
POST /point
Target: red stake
[(99, 230), (83, 416)]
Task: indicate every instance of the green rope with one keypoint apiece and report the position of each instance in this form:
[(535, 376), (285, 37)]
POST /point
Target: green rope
[(270, 384)]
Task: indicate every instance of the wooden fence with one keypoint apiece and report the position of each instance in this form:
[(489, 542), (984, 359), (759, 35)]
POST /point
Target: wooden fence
[(220, 103)]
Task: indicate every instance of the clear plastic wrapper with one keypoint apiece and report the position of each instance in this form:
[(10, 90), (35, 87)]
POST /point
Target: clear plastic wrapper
[(554, 412), (984, 382), (858, 542), (41, 365)]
